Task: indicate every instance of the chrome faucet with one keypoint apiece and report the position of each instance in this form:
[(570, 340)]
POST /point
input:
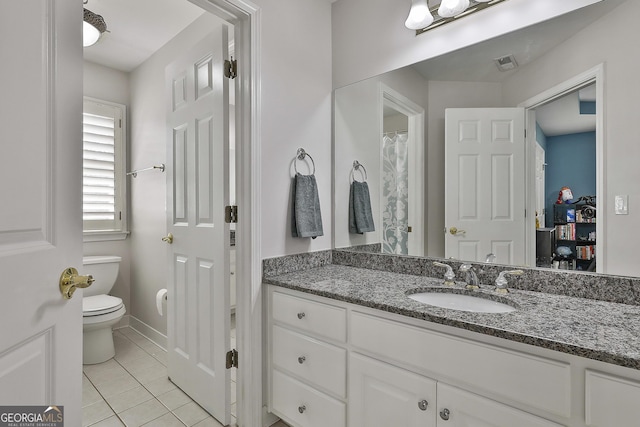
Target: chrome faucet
[(491, 257), (501, 281), (472, 278), (449, 275)]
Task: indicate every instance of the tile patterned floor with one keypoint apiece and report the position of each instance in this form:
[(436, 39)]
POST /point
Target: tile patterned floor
[(132, 389)]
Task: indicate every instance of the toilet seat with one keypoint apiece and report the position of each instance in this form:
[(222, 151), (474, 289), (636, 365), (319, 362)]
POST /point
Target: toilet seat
[(99, 305)]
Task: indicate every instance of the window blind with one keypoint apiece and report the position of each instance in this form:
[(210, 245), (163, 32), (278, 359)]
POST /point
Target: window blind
[(98, 168)]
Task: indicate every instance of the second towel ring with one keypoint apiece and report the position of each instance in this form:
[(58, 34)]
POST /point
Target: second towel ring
[(300, 155), (356, 167)]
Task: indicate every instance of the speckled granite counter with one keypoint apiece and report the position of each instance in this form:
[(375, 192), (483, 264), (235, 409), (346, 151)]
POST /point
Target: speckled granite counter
[(599, 330)]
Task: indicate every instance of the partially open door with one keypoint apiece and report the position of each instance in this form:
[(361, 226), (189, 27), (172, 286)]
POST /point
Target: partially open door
[(197, 191), (41, 214)]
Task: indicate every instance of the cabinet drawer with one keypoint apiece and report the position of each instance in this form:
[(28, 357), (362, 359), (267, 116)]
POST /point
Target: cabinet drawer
[(611, 401), (530, 380), (318, 362), (304, 406), (320, 319)]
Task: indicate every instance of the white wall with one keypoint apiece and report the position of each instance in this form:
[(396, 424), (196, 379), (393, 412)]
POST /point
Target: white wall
[(611, 40), (110, 85), (358, 122), (296, 112), (369, 36), (443, 95)]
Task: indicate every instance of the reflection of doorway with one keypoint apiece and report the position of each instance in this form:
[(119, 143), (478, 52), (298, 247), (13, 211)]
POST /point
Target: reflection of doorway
[(402, 174), (548, 104)]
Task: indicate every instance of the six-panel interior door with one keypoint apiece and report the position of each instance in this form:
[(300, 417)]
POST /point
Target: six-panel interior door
[(40, 218), (485, 184), (197, 190)]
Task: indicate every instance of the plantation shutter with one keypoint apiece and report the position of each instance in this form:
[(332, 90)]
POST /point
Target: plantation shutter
[(101, 137)]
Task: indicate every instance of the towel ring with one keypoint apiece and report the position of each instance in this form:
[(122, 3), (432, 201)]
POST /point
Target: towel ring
[(356, 167), (300, 155)]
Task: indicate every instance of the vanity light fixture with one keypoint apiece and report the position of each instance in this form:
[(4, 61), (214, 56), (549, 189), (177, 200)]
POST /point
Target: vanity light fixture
[(92, 28), (423, 17)]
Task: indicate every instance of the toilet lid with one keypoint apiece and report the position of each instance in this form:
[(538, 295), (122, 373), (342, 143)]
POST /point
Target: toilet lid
[(100, 304)]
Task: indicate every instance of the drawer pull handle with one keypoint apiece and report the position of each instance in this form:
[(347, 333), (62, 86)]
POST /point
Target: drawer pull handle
[(301, 359), (301, 315), (444, 414), (302, 408), (423, 405)]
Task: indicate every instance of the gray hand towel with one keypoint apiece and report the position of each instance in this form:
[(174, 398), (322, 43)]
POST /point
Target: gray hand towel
[(306, 220), (360, 216)]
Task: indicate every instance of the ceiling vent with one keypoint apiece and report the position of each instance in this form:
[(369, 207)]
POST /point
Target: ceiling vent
[(506, 63)]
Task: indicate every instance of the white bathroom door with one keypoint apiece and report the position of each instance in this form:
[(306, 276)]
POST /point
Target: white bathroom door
[(485, 184), (198, 311), (40, 217)]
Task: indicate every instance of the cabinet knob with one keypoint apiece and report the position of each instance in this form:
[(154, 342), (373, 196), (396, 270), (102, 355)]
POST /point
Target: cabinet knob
[(444, 414), (423, 405), (301, 315), (302, 408), (301, 359)]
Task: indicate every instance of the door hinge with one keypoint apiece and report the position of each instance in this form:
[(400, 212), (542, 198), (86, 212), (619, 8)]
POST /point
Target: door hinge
[(231, 214), (231, 68), (232, 358)]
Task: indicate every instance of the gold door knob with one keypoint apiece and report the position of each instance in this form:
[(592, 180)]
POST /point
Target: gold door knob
[(455, 232), (168, 238), (70, 280)]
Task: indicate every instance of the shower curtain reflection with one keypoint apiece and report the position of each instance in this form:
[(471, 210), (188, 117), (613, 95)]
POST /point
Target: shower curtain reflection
[(395, 193)]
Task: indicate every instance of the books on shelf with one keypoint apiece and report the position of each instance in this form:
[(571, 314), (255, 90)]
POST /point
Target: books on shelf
[(587, 252), (566, 232)]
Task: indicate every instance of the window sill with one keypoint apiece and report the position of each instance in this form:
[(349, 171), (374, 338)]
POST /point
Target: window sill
[(104, 236)]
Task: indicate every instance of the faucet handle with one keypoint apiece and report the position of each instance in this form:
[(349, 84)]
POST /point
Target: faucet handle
[(449, 275), (501, 281)]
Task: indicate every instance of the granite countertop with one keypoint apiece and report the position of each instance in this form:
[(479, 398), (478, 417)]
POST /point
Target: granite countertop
[(599, 330)]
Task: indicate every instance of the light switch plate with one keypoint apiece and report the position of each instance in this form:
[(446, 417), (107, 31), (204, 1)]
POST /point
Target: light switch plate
[(622, 205)]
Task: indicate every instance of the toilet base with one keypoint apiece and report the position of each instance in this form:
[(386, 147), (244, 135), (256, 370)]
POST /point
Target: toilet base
[(97, 346)]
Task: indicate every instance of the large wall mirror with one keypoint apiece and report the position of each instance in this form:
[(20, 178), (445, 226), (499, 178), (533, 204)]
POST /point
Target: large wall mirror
[(451, 172)]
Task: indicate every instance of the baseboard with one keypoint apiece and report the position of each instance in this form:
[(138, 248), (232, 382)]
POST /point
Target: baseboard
[(154, 335)]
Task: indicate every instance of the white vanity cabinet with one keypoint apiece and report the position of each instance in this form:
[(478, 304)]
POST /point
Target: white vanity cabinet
[(308, 361), (335, 364)]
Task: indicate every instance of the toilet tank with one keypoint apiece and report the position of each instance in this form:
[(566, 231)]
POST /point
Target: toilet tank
[(104, 269)]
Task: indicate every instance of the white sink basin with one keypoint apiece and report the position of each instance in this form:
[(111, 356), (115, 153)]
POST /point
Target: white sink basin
[(461, 302)]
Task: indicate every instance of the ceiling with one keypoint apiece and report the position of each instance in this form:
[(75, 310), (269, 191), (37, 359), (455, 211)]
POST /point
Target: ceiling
[(562, 116), (137, 29)]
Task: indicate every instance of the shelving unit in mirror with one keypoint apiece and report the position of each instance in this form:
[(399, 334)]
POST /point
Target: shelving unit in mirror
[(575, 225)]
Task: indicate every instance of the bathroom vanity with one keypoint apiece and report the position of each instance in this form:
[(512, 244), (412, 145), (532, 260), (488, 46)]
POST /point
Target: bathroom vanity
[(347, 347)]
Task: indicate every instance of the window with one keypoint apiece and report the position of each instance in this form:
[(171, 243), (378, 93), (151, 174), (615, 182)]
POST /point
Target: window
[(103, 177)]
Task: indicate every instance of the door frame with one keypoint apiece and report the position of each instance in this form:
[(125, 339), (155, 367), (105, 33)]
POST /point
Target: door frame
[(246, 18), (593, 75), (415, 129)]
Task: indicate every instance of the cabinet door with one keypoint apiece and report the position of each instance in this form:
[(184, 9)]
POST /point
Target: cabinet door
[(459, 408), (381, 395)]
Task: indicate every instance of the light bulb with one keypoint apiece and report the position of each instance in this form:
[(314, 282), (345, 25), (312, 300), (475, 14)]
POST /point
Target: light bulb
[(451, 8), (419, 15), (90, 34)]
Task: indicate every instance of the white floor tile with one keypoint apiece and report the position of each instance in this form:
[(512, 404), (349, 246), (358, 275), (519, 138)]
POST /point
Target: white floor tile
[(160, 386), (174, 399), (210, 422), (191, 413), (97, 412), (117, 386), (89, 393), (109, 422), (167, 420), (143, 413), (128, 399)]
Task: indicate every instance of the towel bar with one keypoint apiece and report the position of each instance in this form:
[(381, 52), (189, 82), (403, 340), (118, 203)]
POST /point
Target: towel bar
[(356, 167), (300, 155)]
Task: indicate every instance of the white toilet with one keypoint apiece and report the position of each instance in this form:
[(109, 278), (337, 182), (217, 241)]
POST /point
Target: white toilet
[(100, 311)]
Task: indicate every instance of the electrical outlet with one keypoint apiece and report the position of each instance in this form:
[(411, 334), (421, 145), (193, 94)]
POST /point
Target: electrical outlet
[(621, 205)]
